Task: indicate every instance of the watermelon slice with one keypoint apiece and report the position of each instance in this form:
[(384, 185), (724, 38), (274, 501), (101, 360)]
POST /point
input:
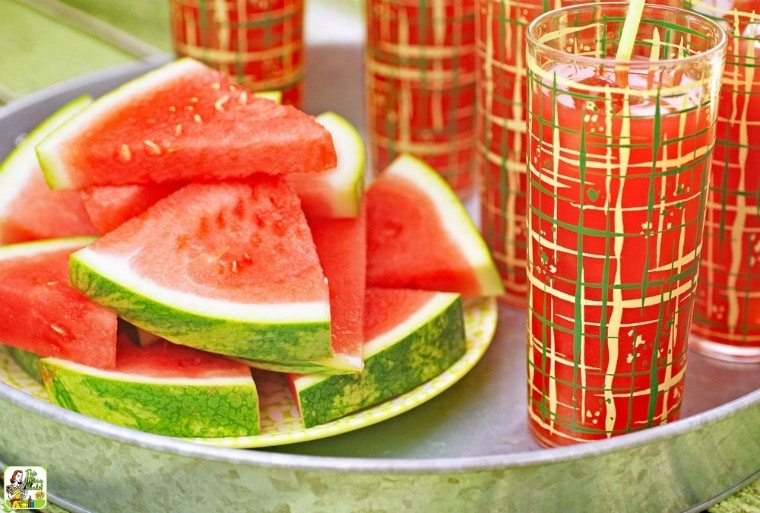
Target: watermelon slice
[(29, 210), (41, 313), (419, 235), (336, 192), (341, 246), (180, 122), (410, 336), (226, 267), (164, 388)]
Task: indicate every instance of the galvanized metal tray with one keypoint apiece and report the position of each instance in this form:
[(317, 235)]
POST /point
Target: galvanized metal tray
[(465, 450)]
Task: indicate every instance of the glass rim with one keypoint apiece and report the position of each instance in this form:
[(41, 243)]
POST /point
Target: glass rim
[(719, 47)]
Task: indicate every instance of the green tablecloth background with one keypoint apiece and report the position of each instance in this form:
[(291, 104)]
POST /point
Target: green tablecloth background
[(43, 42)]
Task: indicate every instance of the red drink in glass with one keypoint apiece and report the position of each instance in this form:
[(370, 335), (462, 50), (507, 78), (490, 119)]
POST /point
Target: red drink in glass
[(619, 160), (727, 310)]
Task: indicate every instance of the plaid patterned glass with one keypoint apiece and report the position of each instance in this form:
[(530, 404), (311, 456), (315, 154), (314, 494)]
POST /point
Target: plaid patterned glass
[(618, 171)]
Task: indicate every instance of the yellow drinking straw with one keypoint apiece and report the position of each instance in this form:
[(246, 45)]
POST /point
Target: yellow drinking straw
[(628, 39), (630, 28)]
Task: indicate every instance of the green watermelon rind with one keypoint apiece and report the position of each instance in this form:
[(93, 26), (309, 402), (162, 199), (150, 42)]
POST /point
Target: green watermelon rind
[(345, 181), (413, 352), (454, 216), (22, 160), (257, 331), (171, 407)]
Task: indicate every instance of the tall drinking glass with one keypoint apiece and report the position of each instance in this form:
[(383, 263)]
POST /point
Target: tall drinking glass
[(727, 310), (618, 172)]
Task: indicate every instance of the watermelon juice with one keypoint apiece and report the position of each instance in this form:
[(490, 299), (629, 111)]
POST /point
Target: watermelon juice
[(727, 309), (618, 161)]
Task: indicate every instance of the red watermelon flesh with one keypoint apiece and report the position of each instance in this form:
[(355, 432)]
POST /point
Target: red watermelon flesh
[(109, 206), (387, 308), (406, 244), (183, 122), (342, 249), (40, 312), (166, 360), (40, 213)]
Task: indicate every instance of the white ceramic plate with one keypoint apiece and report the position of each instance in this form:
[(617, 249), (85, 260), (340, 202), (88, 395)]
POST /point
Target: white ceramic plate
[(280, 420)]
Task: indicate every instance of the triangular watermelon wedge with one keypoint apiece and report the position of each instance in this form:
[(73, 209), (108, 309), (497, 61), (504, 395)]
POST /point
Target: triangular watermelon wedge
[(420, 236), (226, 267), (29, 210), (41, 313), (183, 121)]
